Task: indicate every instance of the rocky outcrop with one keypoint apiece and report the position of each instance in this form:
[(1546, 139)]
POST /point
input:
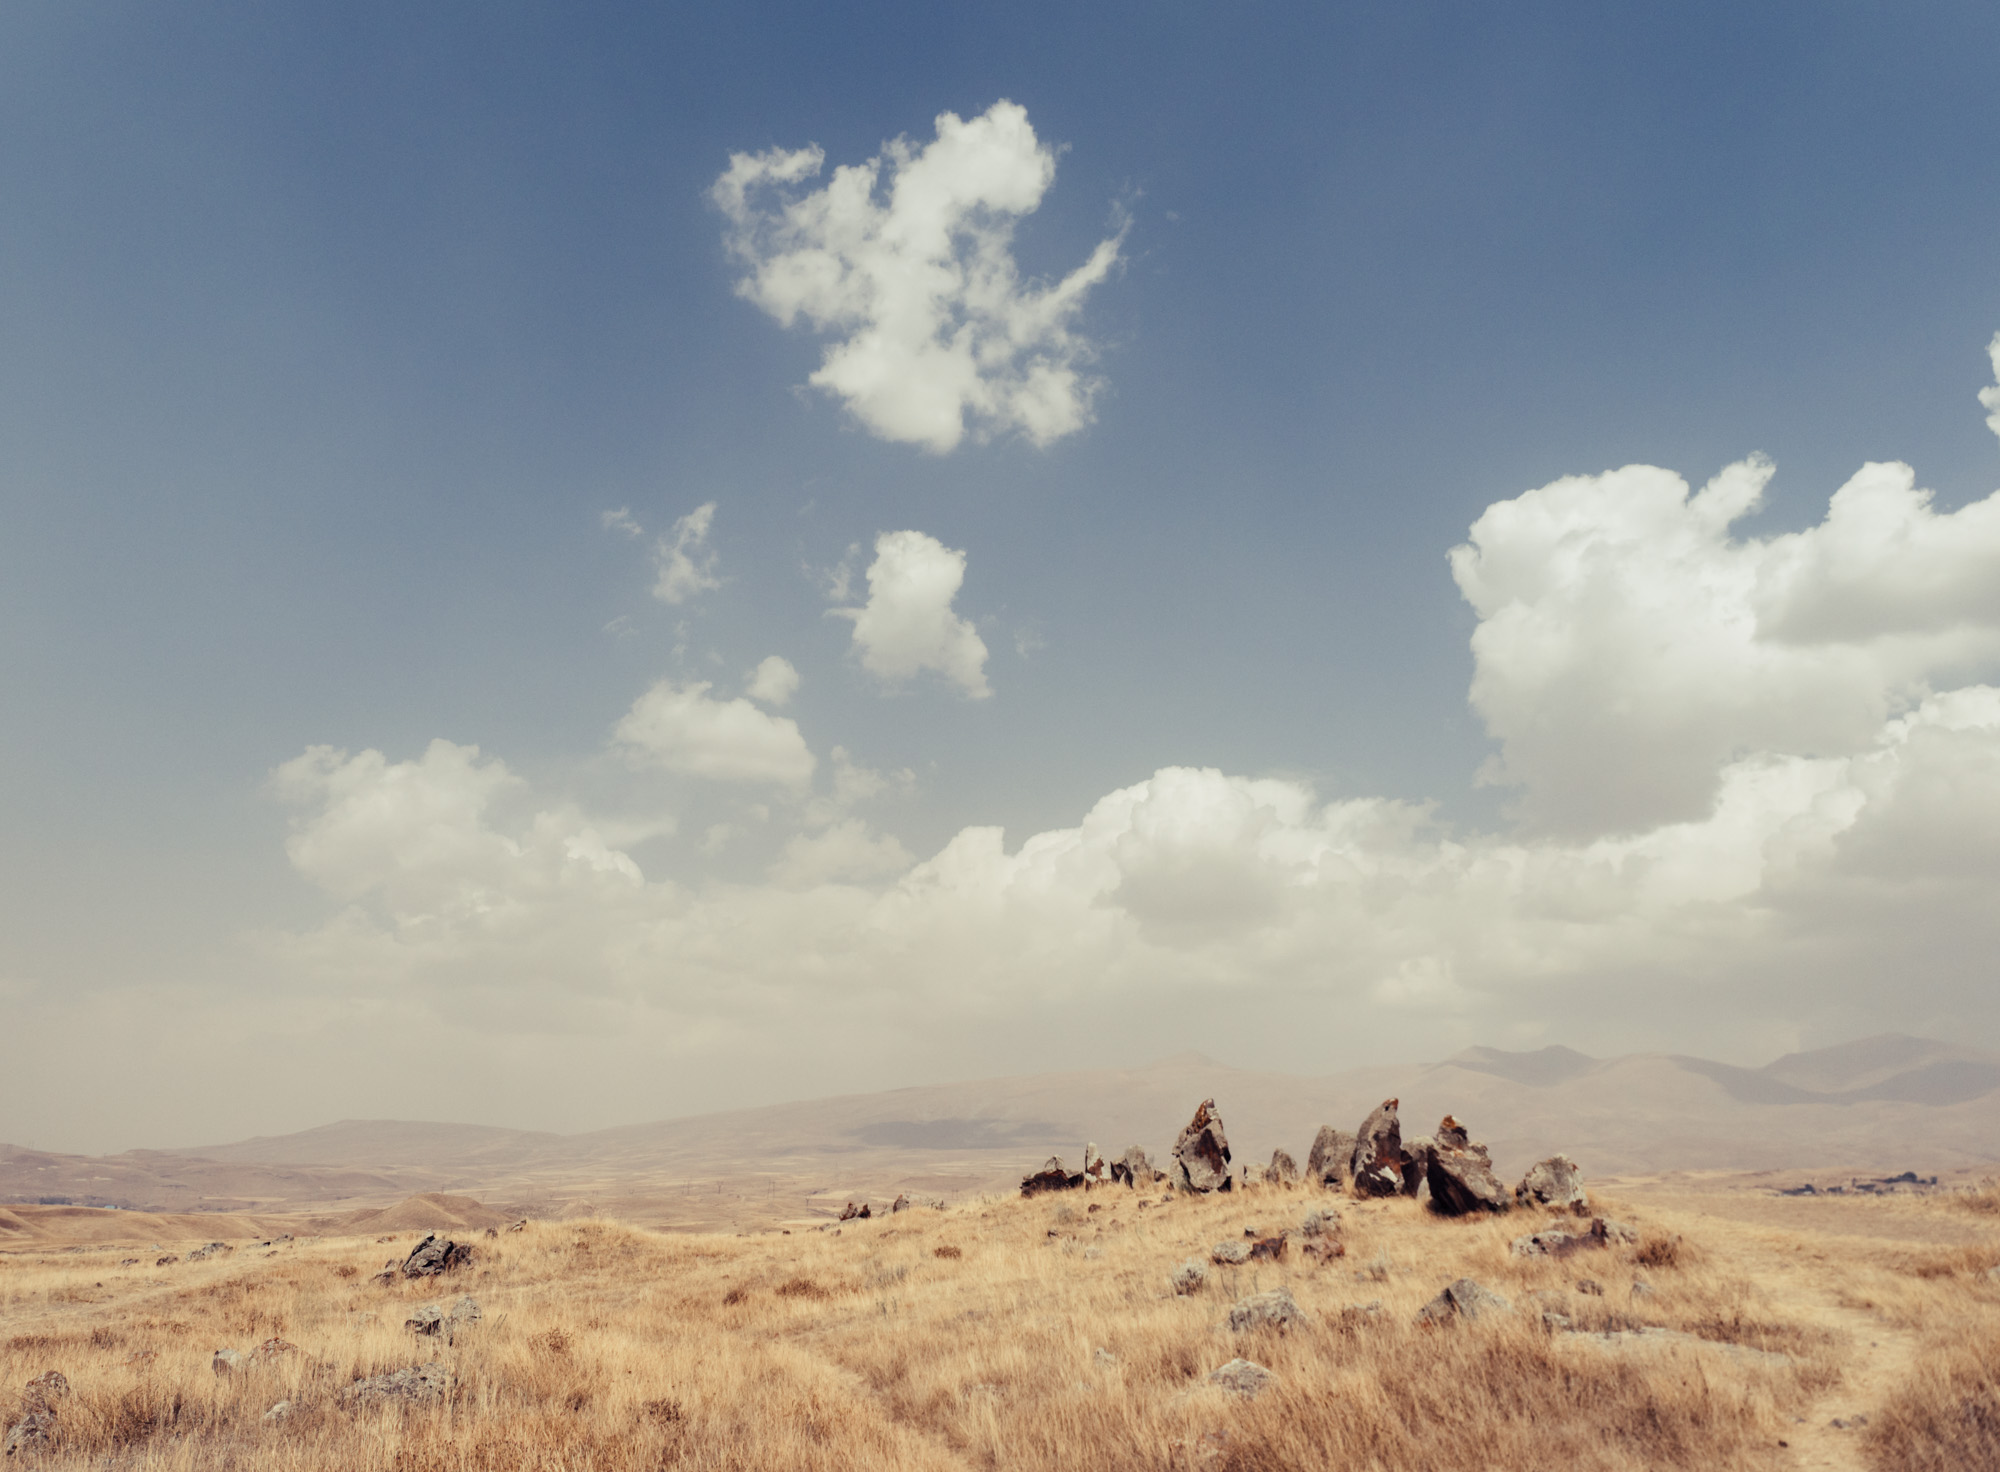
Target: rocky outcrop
[(1556, 1183), (1465, 1299), (435, 1255), (1282, 1171), (443, 1323), (1136, 1168), (419, 1384), (1331, 1160), (1376, 1166), (1201, 1154), (37, 1426), (1460, 1174), (1241, 1377), (1273, 1310), (1051, 1177)]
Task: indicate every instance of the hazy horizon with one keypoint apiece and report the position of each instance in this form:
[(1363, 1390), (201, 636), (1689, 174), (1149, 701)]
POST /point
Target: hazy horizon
[(561, 570)]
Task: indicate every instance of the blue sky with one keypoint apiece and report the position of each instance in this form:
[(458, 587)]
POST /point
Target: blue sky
[(328, 338)]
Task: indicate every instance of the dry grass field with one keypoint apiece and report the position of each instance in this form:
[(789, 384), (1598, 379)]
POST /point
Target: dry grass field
[(1043, 1334)]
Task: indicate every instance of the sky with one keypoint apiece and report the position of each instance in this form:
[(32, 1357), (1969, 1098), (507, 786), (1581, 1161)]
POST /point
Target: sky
[(570, 565)]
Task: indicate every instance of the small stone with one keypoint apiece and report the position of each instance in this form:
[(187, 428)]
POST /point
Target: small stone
[(226, 1361), (1091, 1254), (520, 1226), (271, 1349), (1591, 1286), (1642, 1289), (279, 1412), (1241, 1377), (419, 1383), (1229, 1254), (1321, 1223), (1465, 1299), (1273, 1310), (1103, 1358), (1189, 1277)]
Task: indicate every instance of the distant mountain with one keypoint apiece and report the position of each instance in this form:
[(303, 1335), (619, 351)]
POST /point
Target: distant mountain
[(1882, 1104)]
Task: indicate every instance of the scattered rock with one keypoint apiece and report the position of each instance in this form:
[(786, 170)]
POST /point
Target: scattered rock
[(901, 1203), (1556, 1323), (520, 1226), (280, 1412), (1321, 1223), (1590, 1286), (1051, 1177), (1229, 1254), (213, 1249), (1273, 1310), (1323, 1250), (1241, 1377), (1460, 1174), (272, 1349), (1560, 1244), (1642, 1289), (436, 1255), (1201, 1154), (128, 1262), (1189, 1277), (1465, 1299), (1331, 1160), (36, 1428), (1103, 1358), (171, 1257), (1282, 1171), (1619, 1231), (445, 1323), (1271, 1249), (1376, 1166), (418, 1383), (1556, 1183), (227, 1361)]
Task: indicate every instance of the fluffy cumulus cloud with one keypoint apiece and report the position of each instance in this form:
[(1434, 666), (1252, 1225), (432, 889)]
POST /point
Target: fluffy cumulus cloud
[(1763, 778), (908, 624), (685, 563), (774, 682), (1990, 396), (684, 729), (906, 261), (1630, 646)]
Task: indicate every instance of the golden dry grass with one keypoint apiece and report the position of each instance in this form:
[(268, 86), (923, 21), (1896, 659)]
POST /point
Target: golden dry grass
[(972, 1338)]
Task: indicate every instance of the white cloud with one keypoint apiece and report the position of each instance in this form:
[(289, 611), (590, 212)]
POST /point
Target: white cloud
[(847, 851), (622, 522), (774, 682), (915, 277), (1990, 397), (1629, 646), (686, 565), (908, 625), (683, 729)]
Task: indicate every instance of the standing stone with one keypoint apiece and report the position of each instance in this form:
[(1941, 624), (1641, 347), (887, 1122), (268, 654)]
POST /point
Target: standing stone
[(1096, 1172), (1051, 1177), (1377, 1163), (1282, 1171), (1135, 1168), (901, 1203), (1201, 1154), (1556, 1183), (1461, 1174), (1331, 1162), (436, 1255)]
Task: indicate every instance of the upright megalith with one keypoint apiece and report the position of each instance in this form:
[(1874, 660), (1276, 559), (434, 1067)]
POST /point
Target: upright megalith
[(1282, 1171), (1331, 1161), (1377, 1163), (1135, 1168), (1460, 1174), (1201, 1154), (1096, 1169), (1556, 1183)]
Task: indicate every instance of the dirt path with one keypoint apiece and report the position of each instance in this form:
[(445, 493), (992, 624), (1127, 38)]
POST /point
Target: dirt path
[(1880, 1358)]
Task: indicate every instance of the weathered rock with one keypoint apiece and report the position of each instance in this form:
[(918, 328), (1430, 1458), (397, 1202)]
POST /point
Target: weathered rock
[(1323, 1222), (1555, 1182), (1460, 1174), (491, 1234), (271, 1349), (1619, 1231), (1201, 1154), (1273, 1310), (1241, 1377), (436, 1255), (171, 1257), (1282, 1171), (445, 1323), (1103, 1358), (1229, 1253), (1269, 1249), (1330, 1162), (227, 1361), (1051, 1177), (1465, 1299), (1642, 1289), (417, 1383), (1376, 1166), (520, 1226), (1096, 1169), (282, 1411), (1135, 1168), (1590, 1286), (213, 1249), (1559, 1244), (1189, 1277), (36, 1429)]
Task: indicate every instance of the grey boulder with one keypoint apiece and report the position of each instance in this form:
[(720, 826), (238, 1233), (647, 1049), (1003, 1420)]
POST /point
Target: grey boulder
[(1201, 1154), (1331, 1160), (1465, 1299), (1273, 1310), (1460, 1174)]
